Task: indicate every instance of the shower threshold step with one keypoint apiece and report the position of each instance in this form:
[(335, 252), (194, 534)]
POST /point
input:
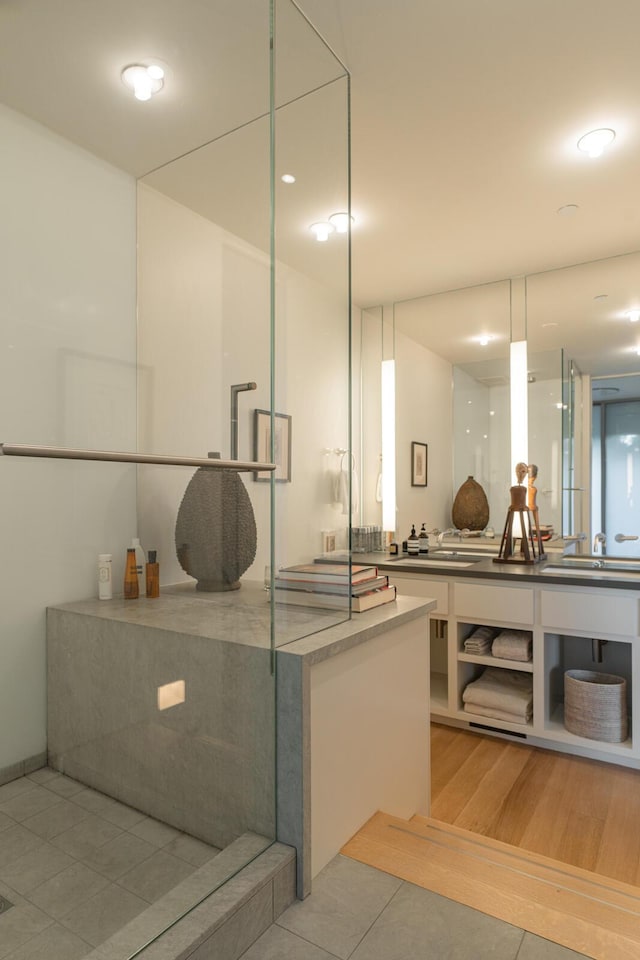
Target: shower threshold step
[(253, 881)]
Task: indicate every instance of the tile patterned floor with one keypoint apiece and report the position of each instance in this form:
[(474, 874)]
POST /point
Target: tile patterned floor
[(77, 866), (358, 913)]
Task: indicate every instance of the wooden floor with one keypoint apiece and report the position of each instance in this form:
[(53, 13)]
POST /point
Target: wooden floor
[(578, 811), (542, 840)]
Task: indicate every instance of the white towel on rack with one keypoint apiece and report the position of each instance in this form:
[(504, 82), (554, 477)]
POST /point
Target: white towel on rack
[(497, 714), (341, 486)]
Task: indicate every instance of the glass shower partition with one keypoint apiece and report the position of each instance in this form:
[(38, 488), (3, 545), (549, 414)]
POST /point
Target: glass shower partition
[(184, 312)]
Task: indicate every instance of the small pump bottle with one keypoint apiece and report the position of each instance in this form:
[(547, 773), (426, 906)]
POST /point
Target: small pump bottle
[(105, 582), (413, 544), (423, 540), (141, 562), (131, 589), (153, 575)]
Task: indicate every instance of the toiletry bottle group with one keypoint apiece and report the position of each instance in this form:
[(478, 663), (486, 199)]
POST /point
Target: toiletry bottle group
[(413, 544), (141, 576), (105, 580)]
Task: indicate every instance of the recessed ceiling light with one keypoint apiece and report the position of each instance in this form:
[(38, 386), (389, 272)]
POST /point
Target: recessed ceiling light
[(550, 323), (568, 210), (633, 315), (144, 80), (594, 142), (321, 230), (485, 339), (341, 222), (288, 178)]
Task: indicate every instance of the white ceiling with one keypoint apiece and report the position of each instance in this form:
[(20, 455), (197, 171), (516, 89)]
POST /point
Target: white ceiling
[(465, 116)]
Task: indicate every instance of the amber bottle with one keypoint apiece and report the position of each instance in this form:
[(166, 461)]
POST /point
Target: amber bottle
[(153, 575), (131, 588)]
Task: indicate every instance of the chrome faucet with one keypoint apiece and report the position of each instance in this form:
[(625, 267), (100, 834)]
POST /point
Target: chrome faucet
[(237, 388), (600, 540)]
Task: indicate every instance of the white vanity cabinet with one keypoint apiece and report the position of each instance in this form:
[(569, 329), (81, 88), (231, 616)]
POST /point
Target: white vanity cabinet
[(579, 626)]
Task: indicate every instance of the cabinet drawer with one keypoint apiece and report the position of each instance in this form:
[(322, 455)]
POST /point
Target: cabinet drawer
[(592, 613), (421, 587), (486, 602)]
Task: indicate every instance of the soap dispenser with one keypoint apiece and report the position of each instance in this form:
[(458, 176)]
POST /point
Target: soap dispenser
[(423, 540), (413, 544)]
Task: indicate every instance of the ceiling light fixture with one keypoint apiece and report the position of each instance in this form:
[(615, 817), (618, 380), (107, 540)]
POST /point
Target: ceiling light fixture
[(143, 80), (594, 142), (288, 178), (322, 230), (568, 210), (485, 339), (341, 222), (633, 315)]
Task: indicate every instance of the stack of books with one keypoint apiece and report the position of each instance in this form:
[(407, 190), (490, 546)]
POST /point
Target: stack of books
[(331, 585)]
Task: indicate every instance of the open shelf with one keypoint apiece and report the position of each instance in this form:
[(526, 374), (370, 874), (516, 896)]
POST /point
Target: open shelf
[(483, 721), (554, 729), (525, 666)]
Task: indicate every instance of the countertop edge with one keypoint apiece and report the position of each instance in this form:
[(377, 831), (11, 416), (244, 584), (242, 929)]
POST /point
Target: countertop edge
[(359, 629)]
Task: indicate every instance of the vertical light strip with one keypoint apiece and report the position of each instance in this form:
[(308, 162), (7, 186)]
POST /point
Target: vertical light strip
[(519, 408), (388, 394)]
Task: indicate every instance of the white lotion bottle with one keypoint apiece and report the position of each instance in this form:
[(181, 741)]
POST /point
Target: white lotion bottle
[(105, 579), (141, 566)]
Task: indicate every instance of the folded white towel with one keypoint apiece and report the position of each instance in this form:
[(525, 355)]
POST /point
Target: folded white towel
[(505, 690), (513, 645), (496, 714)]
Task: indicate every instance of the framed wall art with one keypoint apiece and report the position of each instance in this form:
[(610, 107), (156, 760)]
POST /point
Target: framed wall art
[(419, 452), (282, 445)]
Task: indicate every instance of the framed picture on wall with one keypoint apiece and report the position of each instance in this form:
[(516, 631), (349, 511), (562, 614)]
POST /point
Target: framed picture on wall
[(281, 444), (418, 464)]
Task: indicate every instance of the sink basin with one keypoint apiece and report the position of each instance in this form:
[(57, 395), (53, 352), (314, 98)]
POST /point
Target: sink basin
[(433, 561), (480, 554), (590, 565)]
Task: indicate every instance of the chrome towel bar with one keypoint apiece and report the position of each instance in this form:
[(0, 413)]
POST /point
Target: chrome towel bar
[(114, 456)]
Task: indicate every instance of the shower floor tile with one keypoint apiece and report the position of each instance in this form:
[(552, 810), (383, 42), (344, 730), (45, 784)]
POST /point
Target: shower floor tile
[(79, 866)]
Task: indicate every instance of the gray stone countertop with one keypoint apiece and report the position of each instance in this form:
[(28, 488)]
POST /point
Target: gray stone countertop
[(487, 569), (243, 616)]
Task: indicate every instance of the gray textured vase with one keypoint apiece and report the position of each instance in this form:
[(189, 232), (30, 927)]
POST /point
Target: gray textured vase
[(216, 534), (470, 508)]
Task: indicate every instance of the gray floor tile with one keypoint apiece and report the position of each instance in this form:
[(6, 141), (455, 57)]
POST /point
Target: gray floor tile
[(418, 923), (5, 822), (67, 890), (111, 810), (279, 944), (193, 851), (101, 916), (154, 831), (56, 819), (28, 872), (15, 842), (535, 948), (64, 786), (14, 788), (116, 857), (347, 897), (18, 925), (56, 943), (156, 876), (29, 802), (43, 775), (81, 841)]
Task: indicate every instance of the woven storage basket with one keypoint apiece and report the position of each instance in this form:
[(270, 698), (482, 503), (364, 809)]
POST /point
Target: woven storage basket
[(595, 705)]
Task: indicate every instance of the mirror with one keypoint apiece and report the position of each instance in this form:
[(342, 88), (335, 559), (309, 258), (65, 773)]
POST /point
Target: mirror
[(583, 364)]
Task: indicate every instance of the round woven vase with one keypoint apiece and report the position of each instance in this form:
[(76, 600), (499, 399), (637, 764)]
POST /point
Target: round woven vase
[(470, 509), (216, 534)]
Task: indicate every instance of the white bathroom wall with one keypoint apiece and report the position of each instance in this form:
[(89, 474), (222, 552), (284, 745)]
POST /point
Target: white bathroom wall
[(67, 322), (203, 322), (424, 413)]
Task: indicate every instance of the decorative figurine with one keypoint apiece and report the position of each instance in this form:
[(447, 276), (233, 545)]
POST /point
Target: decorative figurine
[(520, 544)]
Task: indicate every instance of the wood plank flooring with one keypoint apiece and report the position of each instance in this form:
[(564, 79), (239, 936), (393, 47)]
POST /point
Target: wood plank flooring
[(575, 908), (578, 811), (543, 840)]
